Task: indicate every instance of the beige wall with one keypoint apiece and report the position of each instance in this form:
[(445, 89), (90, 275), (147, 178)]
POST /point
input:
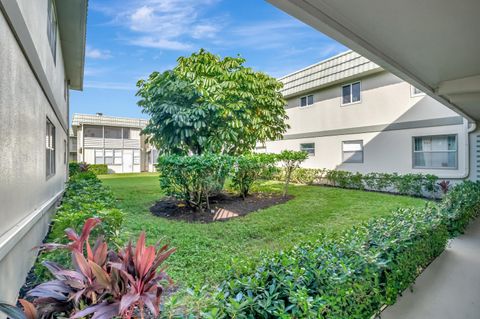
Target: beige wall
[(386, 120), (24, 188)]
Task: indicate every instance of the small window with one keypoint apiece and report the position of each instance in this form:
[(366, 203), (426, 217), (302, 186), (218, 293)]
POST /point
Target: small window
[(435, 151), (52, 29), (99, 159), (93, 131), (309, 148), (113, 132), (352, 151), (306, 100), (109, 157), (351, 93), (136, 157), (50, 148), (126, 133), (415, 92), (117, 157)]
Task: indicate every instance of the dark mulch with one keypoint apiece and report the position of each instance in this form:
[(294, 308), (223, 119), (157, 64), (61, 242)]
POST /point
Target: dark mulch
[(222, 207)]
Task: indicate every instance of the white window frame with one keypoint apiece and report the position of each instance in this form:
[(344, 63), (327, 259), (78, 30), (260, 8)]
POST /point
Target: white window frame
[(306, 98), (351, 93), (95, 155), (306, 149), (50, 147), (413, 94), (115, 157), (349, 161), (445, 151), (52, 29), (139, 157)]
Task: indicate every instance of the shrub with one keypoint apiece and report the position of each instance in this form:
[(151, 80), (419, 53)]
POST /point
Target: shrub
[(103, 283), (249, 168), (291, 160), (347, 277), (306, 176), (98, 169), (85, 197), (194, 179), (73, 168)]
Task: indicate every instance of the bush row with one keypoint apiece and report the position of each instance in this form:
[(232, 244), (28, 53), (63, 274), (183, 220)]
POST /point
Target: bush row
[(97, 169), (85, 197), (349, 276), (408, 184)]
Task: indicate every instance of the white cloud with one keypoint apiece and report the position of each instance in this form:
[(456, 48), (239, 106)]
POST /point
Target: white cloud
[(93, 53), (110, 85)]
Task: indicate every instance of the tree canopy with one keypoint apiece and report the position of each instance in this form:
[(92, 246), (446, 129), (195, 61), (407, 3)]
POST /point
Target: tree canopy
[(210, 104)]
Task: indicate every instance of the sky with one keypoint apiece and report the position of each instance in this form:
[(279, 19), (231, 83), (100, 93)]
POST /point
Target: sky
[(129, 39)]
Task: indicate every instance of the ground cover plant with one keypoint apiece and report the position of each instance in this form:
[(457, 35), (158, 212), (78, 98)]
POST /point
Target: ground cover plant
[(312, 211)]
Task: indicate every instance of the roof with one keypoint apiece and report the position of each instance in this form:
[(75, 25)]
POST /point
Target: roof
[(336, 69), (90, 119), (72, 23)]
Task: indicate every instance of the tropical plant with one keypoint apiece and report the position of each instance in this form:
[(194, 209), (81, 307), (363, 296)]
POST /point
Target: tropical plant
[(28, 312), (444, 186), (209, 104), (291, 160), (103, 283), (194, 179), (249, 168)]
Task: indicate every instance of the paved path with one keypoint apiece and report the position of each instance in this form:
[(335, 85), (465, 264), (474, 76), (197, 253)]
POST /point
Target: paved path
[(449, 288)]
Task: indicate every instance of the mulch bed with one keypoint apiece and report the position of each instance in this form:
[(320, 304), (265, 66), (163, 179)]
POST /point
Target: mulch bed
[(222, 207)]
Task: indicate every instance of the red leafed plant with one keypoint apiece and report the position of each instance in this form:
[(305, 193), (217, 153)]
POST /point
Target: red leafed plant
[(444, 186), (104, 284)]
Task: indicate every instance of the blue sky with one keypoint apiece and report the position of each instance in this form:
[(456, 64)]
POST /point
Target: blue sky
[(129, 39)]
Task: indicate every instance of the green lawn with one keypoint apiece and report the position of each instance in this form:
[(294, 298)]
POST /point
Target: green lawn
[(204, 250)]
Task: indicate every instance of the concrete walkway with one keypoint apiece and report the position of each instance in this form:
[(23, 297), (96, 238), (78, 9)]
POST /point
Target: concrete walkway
[(449, 288)]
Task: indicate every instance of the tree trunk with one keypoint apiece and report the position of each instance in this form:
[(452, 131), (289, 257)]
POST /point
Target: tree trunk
[(287, 181)]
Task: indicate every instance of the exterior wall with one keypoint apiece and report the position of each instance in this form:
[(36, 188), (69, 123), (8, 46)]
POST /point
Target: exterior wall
[(24, 107), (386, 120)]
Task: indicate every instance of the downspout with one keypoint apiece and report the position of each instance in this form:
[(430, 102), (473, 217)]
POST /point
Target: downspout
[(469, 128)]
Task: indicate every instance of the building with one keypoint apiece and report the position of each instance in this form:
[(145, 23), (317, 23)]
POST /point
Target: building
[(350, 114), (42, 54), (115, 141)]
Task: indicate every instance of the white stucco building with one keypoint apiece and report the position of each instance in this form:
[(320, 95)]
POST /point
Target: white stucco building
[(42, 50), (350, 114), (115, 141)]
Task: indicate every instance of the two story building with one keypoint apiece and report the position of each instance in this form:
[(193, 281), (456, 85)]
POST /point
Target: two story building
[(42, 50), (115, 141), (350, 114)]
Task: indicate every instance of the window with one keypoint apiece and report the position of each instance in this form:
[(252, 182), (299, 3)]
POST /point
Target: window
[(117, 157), (50, 148), (309, 148), (415, 92), (109, 157), (136, 157), (52, 29), (435, 151), (352, 151), (93, 131), (126, 133), (65, 152), (99, 159), (351, 93), (113, 132), (306, 100)]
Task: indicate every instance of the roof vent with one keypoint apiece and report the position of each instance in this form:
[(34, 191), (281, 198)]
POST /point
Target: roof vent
[(99, 114)]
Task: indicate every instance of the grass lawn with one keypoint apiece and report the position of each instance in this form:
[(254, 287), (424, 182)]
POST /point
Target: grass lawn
[(205, 250)]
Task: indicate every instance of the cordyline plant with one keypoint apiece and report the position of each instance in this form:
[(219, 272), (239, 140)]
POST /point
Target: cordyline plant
[(104, 284)]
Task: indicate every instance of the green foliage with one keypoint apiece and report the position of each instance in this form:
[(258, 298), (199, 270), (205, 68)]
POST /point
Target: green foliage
[(291, 160), (408, 184), (98, 169), (207, 104), (73, 168), (249, 168), (351, 276), (194, 179), (85, 197)]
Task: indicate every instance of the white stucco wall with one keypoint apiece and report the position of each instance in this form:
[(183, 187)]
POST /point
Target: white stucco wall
[(24, 187)]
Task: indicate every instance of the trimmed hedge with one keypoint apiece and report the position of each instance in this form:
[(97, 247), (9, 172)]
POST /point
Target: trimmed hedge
[(98, 169), (408, 184), (84, 197), (349, 276)]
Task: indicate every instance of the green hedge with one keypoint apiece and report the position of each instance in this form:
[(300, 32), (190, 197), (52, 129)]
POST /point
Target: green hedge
[(408, 184), (348, 276), (98, 169), (85, 197)]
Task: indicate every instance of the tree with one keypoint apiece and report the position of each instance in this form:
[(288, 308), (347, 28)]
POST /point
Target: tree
[(210, 104), (291, 160)]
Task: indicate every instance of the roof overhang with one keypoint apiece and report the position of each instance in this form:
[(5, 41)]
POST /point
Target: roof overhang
[(431, 43), (72, 22)]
